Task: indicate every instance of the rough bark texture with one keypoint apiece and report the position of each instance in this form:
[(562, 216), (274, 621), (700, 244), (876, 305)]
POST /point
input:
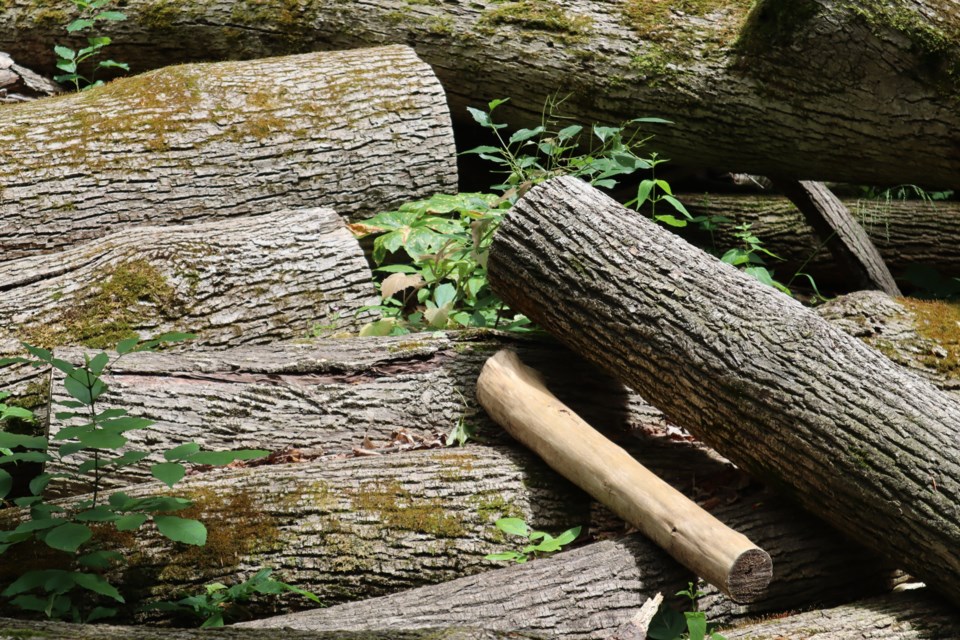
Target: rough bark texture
[(863, 443), (330, 394), (589, 592), (816, 89), (345, 528), (839, 231), (247, 280), (905, 232), (358, 131), (19, 84), (900, 616), (11, 629)]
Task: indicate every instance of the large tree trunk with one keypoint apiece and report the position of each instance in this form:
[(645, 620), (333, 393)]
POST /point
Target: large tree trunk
[(11, 629), (247, 280), (359, 131), (812, 89), (907, 233), (868, 446)]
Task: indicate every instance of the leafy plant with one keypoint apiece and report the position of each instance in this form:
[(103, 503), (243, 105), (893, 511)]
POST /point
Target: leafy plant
[(750, 256), (220, 603), (70, 533), (670, 624), (92, 14), (539, 541)]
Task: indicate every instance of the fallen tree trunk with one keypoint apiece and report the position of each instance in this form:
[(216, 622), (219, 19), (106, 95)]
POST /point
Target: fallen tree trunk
[(906, 233), (343, 528), (787, 88), (19, 84), (359, 131), (515, 396), (901, 616), (859, 441), (591, 591), (248, 280), (13, 629)]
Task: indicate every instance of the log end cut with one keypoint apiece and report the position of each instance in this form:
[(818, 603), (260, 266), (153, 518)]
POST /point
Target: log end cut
[(749, 576)]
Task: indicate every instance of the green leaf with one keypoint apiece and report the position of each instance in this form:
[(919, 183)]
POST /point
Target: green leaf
[(183, 530), (130, 522), (568, 536), (513, 526), (506, 555), (667, 624), (128, 458), (97, 514), (126, 423), (460, 433), (216, 620), (100, 439), (220, 458), (68, 537), (110, 15), (39, 483), (480, 117), (522, 135), (126, 346), (99, 613), (13, 440), (27, 456), (15, 412), (76, 25), (37, 352), (113, 64), (182, 452), (97, 584), (169, 473), (100, 559), (672, 221), (696, 624), (98, 363), (6, 483)]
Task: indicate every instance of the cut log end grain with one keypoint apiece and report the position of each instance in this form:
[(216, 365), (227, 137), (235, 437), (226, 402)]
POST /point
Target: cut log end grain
[(749, 575)]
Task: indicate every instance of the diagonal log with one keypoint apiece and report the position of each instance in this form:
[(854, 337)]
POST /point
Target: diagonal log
[(358, 131), (859, 441), (814, 89)]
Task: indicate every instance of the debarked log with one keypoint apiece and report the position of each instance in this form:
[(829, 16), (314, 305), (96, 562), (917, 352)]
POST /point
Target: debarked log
[(13, 629), (858, 440), (906, 232), (827, 89), (247, 280), (359, 131)]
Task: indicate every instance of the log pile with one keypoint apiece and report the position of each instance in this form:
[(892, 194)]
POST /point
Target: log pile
[(225, 216)]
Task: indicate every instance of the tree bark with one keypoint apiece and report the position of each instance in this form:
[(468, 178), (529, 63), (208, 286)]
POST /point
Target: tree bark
[(849, 244), (818, 89), (516, 397), (12, 629), (248, 280), (19, 84), (343, 528), (905, 233), (900, 616), (359, 131), (858, 440)]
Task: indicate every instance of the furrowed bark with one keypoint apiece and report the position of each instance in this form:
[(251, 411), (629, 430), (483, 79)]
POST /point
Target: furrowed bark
[(858, 440), (345, 529), (906, 232), (815, 89), (12, 629), (359, 131), (840, 232), (247, 280), (590, 592), (900, 616), (514, 395)]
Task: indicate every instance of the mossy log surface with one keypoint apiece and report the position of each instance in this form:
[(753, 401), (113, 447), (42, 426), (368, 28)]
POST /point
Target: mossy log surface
[(12, 629), (359, 131), (912, 232), (858, 440), (247, 280), (861, 92), (912, 615)]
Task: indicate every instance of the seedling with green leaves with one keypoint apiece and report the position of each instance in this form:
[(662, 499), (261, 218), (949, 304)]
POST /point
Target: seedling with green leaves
[(92, 14), (539, 542), (67, 530), (220, 603), (670, 624)]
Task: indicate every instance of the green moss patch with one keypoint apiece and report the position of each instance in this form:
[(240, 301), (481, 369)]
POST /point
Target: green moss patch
[(539, 15), (108, 311), (652, 19), (940, 322), (398, 508)]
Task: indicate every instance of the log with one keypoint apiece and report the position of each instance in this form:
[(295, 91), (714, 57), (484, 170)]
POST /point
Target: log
[(19, 84), (247, 280), (13, 629), (343, 528), (515, 396), (856, 439), (784, 88), (905, 232), (900, 616), (359, 131), (842, 235)]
